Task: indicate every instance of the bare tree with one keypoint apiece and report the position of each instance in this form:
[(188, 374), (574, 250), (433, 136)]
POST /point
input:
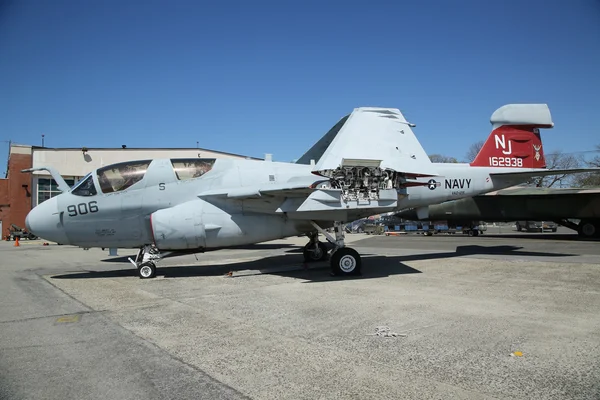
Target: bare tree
[(438, 158), (474, 150), (558, 160), (589, 179)]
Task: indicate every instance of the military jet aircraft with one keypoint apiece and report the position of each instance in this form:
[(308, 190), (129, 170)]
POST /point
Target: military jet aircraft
[(369, 163)]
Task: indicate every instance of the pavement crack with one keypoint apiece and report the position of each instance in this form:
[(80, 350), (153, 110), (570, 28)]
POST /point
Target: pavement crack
[(45, 345), (50, 316)]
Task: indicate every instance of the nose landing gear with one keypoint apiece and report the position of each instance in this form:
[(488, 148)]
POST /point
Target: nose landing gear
[(147, 270), (146, 260)]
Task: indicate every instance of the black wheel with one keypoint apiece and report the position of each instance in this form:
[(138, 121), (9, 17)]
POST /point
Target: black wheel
[(471, 232), (519, 229), (312, 255), (345, 261), (588, 229), (554, 229), (147, 270)]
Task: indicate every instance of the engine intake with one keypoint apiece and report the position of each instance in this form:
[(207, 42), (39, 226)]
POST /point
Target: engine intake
[(179, 227)]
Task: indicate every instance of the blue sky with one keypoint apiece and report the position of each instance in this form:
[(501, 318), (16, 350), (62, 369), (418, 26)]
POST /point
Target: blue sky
[(273, 77)]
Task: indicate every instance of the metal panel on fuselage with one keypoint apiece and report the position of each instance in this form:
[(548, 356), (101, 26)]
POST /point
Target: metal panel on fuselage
[(454, 181), (243, 221), (109, 220)]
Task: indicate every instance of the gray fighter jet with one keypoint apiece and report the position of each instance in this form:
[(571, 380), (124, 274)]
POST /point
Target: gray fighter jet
[(369, 163)]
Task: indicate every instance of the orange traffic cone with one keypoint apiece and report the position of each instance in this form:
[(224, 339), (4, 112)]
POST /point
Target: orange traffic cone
[(17, 242)]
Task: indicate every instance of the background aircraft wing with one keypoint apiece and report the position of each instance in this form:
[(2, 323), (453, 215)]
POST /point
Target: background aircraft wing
[(520, 175), (373, 137)]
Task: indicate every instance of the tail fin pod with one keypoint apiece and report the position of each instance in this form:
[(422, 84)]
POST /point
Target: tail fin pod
[(515, 139)]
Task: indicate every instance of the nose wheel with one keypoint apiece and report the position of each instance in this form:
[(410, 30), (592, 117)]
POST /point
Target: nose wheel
[(146, 260), (147, 270)]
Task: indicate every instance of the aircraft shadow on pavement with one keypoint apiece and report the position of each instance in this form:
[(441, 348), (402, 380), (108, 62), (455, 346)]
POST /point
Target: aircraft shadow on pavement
[(540, 236), (283, 265), (260, 246), (472, 250), (506, 250), (374, 266)]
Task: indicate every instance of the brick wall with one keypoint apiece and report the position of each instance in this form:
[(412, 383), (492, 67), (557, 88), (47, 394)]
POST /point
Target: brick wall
[(20, 197), (4, 207), (12, 191)]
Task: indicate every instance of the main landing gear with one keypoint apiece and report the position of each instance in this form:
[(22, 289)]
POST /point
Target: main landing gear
[(314, 250), (146, 260), (344, 260)]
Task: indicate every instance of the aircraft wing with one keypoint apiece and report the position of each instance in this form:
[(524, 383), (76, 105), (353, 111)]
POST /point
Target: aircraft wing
[(361, 167), (294, 188), (312, 198), (371, 136)]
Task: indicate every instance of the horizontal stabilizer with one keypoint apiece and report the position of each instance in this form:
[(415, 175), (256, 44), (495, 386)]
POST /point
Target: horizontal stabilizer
[(534, 115)]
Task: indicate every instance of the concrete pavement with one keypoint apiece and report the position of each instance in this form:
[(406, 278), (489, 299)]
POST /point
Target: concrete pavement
[(487, 321)]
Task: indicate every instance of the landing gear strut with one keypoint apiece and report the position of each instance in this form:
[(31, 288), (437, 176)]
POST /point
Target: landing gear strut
[(344, 260), (146, 260), (314, 249)]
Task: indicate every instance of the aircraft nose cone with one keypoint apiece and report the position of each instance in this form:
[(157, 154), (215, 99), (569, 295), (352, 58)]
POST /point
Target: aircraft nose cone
[(27, 226), (44, 221)]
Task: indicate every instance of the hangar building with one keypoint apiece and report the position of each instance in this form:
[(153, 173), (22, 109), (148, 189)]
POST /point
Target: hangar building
[(20, 192)]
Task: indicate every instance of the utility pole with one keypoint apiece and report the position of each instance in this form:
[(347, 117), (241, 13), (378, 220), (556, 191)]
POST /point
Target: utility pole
[(7, 156)]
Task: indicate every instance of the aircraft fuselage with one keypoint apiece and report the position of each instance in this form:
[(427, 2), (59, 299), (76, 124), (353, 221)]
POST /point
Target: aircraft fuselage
[(122, 218)]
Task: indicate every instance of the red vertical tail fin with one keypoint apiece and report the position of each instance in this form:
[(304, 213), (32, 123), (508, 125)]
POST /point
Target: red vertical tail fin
[(515, 139)]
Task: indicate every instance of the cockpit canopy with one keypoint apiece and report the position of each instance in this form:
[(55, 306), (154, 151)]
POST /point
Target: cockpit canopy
[(117, 177), (190, 168), (121, 176), (85, 187)]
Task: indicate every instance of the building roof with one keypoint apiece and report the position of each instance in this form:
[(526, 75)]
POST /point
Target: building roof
[(134, 148)]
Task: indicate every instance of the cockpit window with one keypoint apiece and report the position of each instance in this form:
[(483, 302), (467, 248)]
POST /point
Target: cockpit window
[(117, 177), (85, 187), (190, 168)]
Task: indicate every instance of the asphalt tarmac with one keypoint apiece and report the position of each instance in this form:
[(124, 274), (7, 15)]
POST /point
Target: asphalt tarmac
[(501, 316)]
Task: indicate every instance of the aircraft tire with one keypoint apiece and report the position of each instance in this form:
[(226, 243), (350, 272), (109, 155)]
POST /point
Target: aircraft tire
[(312, 256), (588, 229), (147, 270), (346, 262)]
